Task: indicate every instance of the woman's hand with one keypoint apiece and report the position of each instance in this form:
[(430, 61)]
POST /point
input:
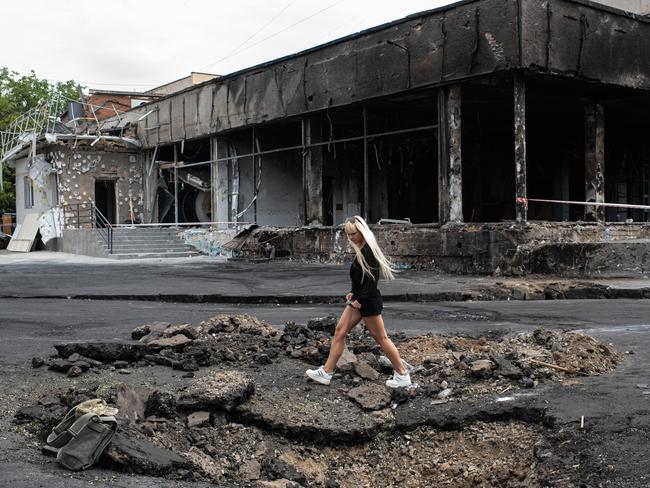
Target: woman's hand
[(348, 297), (356, 304)]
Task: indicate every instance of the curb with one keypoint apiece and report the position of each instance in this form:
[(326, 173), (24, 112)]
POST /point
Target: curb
[(592, 292)]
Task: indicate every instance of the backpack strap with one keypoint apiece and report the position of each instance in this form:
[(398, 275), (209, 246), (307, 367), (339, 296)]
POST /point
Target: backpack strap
[(58, 435), (69, 428), (81, 422), (110, 420)]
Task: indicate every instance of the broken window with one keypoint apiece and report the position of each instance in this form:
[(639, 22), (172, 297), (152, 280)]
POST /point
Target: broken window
[(29, 192), (627, 157), (343, 175), (403, 158), (380, 160), (183, 194)]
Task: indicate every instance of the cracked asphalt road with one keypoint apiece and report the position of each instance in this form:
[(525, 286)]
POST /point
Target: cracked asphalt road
[(615, 408)]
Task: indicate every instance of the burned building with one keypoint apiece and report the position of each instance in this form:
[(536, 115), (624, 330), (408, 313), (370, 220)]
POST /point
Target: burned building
[(474, 125)]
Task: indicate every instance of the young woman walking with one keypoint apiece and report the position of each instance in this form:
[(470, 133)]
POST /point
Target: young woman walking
[(363, 302)]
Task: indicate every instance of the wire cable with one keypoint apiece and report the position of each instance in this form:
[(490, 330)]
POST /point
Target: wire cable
[(278, 32), (234, 51)]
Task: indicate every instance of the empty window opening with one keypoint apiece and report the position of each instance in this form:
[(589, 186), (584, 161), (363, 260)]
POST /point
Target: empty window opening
[(627, 157), (487, 140), (343, 174), (401, 156), (28, 187), (555, 139), (265, 174)]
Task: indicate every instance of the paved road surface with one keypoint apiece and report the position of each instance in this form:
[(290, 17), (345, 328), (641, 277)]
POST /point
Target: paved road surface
[(613, 405)]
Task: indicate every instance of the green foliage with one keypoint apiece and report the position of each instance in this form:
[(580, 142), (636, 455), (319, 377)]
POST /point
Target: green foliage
[(8, 195), (7, 200), (18, 94)]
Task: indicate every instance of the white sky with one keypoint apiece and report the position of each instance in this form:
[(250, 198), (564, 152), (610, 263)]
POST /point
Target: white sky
[(140, 44)]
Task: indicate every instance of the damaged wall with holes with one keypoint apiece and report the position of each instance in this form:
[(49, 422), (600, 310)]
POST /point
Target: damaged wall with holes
[(75, 178)]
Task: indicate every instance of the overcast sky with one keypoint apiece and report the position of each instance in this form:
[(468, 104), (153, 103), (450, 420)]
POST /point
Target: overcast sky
[(140, 44)]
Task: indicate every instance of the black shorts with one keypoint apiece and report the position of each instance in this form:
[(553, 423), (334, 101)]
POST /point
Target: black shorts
[(371, 306)]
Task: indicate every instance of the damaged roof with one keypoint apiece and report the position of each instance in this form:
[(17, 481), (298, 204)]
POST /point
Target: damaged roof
[(572, 39)]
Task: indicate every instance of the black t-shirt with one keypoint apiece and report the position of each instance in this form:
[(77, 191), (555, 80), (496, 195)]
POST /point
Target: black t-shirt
[(364, 288)]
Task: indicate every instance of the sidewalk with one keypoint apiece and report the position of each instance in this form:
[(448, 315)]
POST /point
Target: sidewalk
[(206, 279)]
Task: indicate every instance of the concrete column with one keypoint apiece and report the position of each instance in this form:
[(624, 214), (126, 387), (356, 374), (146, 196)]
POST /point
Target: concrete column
[(150, 174), (595, 161), (175, 184), (219, 182), (366, 172), (312, 164), (450, 183), (521, 192)]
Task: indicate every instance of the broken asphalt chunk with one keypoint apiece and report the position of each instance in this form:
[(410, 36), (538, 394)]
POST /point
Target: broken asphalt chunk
[(177, 341), (320, 419), (104, 351), (371, 396), (222, 390), (140, 456)]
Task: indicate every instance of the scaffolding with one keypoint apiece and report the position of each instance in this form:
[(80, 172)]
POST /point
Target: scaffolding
[(28, 127)]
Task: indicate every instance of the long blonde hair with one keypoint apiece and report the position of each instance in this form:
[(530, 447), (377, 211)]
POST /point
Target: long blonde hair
[(357, 223)]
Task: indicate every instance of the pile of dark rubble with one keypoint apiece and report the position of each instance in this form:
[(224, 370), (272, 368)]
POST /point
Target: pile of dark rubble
[(184, 347), (244, 415), (443, 368)]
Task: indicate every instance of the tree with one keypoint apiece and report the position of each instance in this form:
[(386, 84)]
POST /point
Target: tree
[(18, 94)]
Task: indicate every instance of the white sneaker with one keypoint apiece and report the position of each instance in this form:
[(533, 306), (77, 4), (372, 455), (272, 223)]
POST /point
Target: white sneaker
[(319, 375), (384, 361), (399, 380)]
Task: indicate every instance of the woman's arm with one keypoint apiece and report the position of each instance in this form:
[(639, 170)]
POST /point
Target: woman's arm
[(368, 287)]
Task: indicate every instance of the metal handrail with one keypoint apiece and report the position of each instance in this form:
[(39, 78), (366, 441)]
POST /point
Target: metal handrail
[(79, 216), (92, 216), (106, 228)]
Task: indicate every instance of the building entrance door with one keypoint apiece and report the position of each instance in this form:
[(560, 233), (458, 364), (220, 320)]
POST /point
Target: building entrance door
[(105, 198)]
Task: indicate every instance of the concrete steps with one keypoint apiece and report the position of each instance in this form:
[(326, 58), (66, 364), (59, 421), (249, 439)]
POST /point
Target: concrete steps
[(149, 242)]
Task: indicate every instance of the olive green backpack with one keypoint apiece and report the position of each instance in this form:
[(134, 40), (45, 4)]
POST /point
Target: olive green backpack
[(81, 438)]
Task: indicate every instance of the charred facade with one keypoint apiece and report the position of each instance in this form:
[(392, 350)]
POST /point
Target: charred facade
[(484, 111), (445, 116)]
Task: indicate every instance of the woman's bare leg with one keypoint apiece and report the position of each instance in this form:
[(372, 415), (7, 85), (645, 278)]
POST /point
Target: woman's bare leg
[(375, 325), (349, 318)]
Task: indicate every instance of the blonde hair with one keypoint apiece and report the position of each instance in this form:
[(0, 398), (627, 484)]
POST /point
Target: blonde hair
[(357, 223)]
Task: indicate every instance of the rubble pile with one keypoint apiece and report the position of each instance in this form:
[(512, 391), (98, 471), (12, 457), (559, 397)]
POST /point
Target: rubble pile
[(169, 436), (473, 366), (483, 454), (184, 347), (243, 413), (311, 342)]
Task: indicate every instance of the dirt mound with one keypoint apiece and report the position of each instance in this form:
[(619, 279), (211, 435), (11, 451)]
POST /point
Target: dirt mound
[(575, 351), (522, 360)]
